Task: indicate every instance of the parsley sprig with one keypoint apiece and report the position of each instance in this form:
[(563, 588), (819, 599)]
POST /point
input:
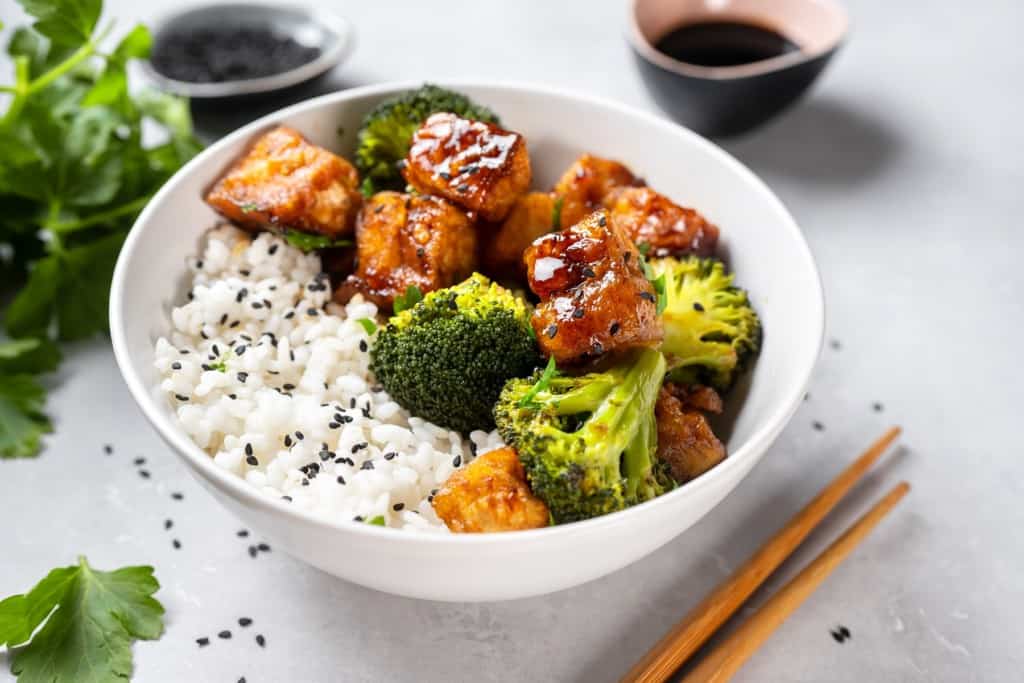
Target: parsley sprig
[(74, 174)]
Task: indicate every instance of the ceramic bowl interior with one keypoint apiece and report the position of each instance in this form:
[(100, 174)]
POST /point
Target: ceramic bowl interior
[(816, 26), (333, 35), (760, 239)]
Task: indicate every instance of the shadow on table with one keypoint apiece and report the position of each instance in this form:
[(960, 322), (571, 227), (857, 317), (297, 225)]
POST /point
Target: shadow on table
[(215, 118), (697, 569), (822, 140)]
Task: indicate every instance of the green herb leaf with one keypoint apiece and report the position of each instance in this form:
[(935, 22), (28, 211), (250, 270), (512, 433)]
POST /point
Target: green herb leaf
[(412, 296), (377, 521), (556, 214), (88, 638), (545, 379), (367, 187), (65, 22), (368, 325), (659, 290), (308, 242), (22, 422), (30, 356)]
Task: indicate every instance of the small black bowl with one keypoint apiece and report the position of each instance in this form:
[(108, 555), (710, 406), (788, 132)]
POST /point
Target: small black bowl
[(721, 101)]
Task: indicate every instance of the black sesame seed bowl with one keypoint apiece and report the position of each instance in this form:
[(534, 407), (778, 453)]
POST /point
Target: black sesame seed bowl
[(241, 49), (762, 241)]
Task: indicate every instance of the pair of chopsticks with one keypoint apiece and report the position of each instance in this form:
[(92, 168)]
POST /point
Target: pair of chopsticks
[(723, 661)]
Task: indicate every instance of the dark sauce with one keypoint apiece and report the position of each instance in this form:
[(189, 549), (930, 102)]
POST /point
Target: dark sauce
[(724, 43), (221, 53)]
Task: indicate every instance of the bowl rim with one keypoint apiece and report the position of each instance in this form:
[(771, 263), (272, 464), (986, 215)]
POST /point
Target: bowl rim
[(239, 489), (643, 47), (334, 54)]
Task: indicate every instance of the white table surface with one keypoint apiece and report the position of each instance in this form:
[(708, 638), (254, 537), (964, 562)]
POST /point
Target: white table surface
[(904, 169)]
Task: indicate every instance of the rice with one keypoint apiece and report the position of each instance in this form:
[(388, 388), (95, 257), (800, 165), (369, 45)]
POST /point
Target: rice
[(272, 380)]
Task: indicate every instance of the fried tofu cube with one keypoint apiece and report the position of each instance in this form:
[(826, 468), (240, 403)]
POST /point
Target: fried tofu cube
[(531, 216), (594, 295), (476, 165), (285, 182), (490, 494), (685, 440), (409, 240), (649, 217), (585, 184)]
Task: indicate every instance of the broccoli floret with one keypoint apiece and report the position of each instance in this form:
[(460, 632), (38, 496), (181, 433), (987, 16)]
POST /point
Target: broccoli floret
[(588, 443), (447, 358), (711, 329), (386, 132)]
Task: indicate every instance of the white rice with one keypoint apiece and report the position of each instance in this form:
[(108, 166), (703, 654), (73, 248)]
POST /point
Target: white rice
[(288, 380)]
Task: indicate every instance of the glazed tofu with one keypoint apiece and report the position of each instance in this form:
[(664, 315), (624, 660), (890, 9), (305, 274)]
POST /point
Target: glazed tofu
[(490, 494), (649, 217), (594, 296), (285, 182), (473, 164), (531, 216), (685, 439), (584, 185), (404, 240)]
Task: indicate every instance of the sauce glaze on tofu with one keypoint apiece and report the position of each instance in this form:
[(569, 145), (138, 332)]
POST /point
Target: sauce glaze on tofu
[(594, 295), (286, 182), (649, 217), (409, 240), (476, 165)]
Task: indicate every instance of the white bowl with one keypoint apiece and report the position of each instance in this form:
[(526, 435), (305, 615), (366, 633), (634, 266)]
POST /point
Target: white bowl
[(759, 237)]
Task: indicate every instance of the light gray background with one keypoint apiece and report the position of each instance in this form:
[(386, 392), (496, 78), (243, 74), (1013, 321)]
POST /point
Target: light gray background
[(904, 169)]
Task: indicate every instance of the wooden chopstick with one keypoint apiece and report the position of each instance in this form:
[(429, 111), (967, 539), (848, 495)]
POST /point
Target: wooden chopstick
[(722, 662), (697, 626)]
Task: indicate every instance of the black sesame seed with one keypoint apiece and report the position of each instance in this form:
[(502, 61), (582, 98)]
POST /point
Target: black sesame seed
[(233, 396), (273, 249), (251, 459), (551, 331), (352, 403), (877, 407), (397, 507), (363, 346), (223, 318), (242, 533), (244, 273), (240, 349), (286, 498), (614, 329), (359, 446), (257, 304), (333, 425), (139, 461), (472, 448), (837, 636), (168, 523), (144, 474), (445, 175), (288, 440), (389, 456), (266, 302), (248, 449), (299, 435), (178, 496), (597, 347), (263, 547), (291, 355), (357, 518), (108, 449), (288, 386), (202, 642), (241, 680), (311, 311), (457, 461), (577, 313), (589, 272), (225, 634), (305, 482), (341, 479), (835, 344), (245, 622), (289, 315), (252, 549), (626, 256), (180, 397), (463, 188), (368, 465), (647, 296), (175, 365), (818, 426), (177, 544), (199, 264), (698, 306), (261, 641)]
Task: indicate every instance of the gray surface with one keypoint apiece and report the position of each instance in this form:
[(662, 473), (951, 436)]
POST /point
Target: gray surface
[(903, 168)]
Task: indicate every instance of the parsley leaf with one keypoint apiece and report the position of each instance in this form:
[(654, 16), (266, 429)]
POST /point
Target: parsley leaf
[(413, 295), (22, 422), (88, 638), (368, 325), (657, 282), (307, 242), (545, 379), (67, 22), (556, 214)]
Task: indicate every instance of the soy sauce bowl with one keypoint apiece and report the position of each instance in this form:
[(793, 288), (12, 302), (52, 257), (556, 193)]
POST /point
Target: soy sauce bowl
[(333, 36), (722, 101)]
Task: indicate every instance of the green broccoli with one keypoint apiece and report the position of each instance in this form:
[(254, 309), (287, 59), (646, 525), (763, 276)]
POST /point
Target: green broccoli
[(447, 357), (711, 329), (386, 132), (588, 443)]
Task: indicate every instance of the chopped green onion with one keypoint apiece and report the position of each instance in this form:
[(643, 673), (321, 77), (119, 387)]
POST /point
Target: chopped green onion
[(412, 296), (545, 379), (556, 214), (377, 521), (368, 325), (307, 242)]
